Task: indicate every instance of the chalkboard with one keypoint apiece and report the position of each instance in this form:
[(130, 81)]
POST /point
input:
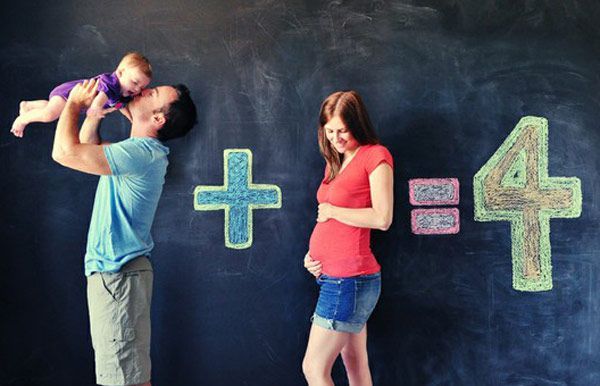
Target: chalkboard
[(445, 82)]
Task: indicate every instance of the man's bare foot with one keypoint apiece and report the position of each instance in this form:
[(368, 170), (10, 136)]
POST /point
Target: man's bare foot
[(18, 127)]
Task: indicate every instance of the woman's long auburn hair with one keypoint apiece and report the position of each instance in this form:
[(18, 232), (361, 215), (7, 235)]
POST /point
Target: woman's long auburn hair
[(347, 105)]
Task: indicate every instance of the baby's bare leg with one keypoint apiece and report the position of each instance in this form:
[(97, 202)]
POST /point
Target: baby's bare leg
[(26, 106), (50, 112)]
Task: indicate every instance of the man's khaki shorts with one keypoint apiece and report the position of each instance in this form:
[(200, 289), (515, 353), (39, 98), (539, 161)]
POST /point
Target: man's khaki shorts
[(119, 307)]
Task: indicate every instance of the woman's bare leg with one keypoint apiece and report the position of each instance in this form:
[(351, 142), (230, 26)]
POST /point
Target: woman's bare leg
[(356, 360), (323, 348)]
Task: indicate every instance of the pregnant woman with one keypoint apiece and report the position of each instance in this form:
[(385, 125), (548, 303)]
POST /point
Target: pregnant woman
[(355, 196)]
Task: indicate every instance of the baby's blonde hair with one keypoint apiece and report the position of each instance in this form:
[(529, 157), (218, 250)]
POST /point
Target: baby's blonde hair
[(135, 59)]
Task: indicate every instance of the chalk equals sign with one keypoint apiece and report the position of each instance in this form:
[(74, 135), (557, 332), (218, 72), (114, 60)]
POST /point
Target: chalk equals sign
[(434, 192)]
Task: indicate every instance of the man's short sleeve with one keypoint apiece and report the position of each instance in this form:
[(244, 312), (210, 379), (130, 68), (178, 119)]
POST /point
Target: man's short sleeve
[(127, 157), (377, 155)]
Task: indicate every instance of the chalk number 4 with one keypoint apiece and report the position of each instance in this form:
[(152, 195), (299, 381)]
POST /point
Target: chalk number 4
[(514, 186)]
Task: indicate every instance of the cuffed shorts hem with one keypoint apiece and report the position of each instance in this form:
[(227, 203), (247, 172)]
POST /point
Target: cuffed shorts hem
[(346, 303), (336, 325)]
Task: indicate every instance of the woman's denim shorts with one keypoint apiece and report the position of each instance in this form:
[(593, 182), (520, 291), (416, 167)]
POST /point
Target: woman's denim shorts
[(345, 303)]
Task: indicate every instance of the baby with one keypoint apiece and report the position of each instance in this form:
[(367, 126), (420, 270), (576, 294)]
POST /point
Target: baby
[(132, 75)]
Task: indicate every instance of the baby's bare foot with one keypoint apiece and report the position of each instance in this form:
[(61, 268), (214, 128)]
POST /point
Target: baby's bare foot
[(18, 127)]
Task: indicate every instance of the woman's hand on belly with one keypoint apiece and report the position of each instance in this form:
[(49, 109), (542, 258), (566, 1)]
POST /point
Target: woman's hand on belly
[(312, 266), (324, 212)]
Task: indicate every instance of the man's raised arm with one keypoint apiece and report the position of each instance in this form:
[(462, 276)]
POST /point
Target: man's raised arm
[(89, 131), (68, 149)]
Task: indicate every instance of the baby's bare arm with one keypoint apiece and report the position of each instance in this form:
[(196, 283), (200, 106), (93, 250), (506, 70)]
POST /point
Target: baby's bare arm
[(96, 109)]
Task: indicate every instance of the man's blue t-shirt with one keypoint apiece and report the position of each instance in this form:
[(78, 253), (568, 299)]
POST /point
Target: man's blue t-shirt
[(125, 204)]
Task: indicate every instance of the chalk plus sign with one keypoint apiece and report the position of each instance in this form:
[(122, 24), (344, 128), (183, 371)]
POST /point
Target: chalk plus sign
[(238, 196)]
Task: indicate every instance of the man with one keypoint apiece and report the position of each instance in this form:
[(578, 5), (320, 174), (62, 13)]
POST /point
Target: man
[(119, 274)]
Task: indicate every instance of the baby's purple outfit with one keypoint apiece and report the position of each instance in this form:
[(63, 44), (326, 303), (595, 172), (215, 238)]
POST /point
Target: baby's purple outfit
[(108, 83)]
